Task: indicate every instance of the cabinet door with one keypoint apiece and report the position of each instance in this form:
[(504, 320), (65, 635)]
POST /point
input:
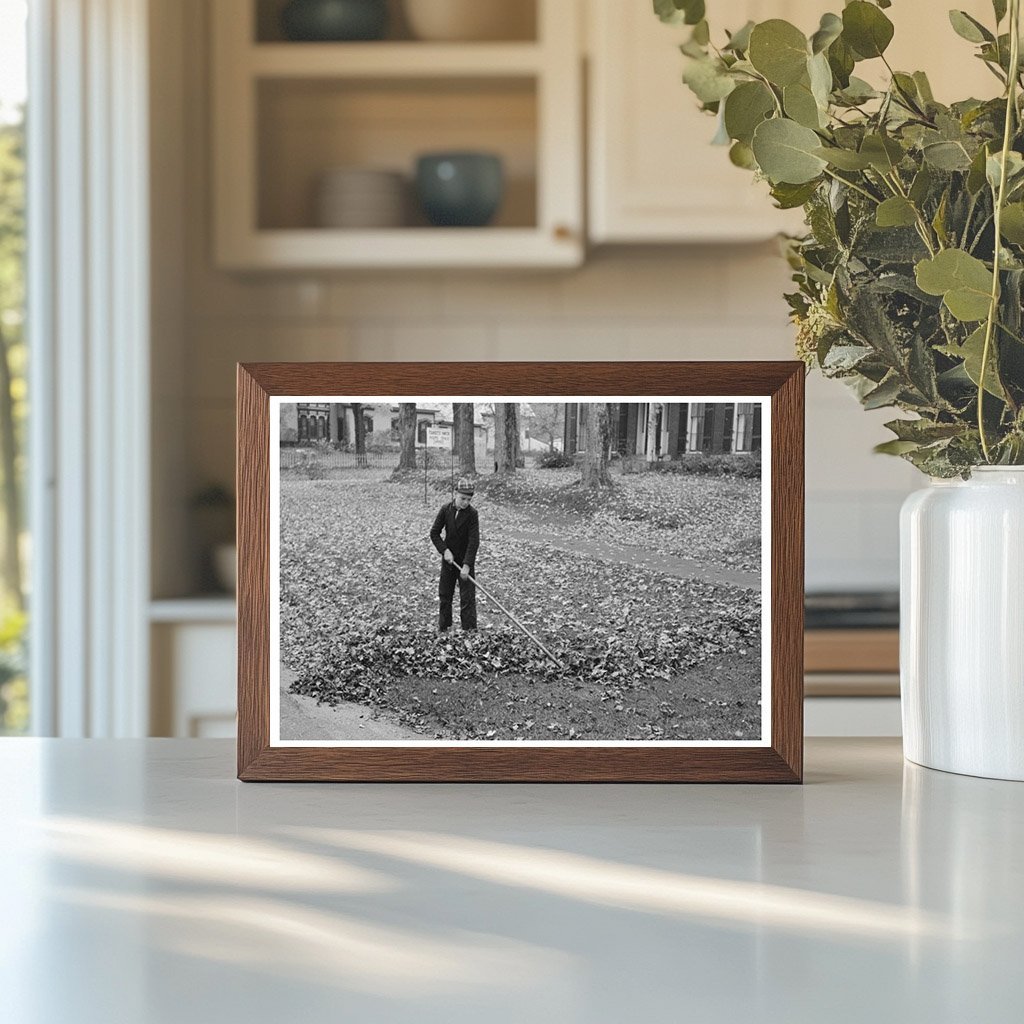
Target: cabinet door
[(653, 174)]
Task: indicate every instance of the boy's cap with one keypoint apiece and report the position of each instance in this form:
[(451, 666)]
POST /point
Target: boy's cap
[(465, 486)]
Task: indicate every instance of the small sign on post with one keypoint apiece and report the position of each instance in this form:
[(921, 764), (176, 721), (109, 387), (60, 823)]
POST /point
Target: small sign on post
[(439, 437)]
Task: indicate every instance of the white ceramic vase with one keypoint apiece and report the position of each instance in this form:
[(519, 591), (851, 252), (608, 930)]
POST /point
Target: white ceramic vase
[(962, 624)]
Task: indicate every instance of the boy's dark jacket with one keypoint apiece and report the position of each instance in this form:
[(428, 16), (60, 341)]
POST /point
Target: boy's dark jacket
[(461, 541)]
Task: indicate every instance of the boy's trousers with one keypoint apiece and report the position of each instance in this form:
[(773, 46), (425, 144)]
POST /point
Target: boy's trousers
[(467, 598)]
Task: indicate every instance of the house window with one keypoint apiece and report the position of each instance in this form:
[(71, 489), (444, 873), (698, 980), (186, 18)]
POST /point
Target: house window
[(421, 432), (367, 423), (744, 439), (681, 428), (396, 431), (727, 415), (695, 434), (303, 429)]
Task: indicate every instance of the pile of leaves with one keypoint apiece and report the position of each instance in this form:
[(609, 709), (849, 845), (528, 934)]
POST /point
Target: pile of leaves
[(358, 607), (911, 278)]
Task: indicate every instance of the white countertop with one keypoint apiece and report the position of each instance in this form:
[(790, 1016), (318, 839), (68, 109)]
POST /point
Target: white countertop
[(142, 884)]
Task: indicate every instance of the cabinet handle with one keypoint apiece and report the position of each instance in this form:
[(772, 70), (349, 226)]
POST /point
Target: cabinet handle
[(563, 232)]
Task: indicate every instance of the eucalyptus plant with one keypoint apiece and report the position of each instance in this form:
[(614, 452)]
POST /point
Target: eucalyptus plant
[(910, 278)]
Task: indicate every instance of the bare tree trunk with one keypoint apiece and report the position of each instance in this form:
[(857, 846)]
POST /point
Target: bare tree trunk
[(407, 432), (465, 438), (506, 436), (596, 439), (11, 491), (359, 429)]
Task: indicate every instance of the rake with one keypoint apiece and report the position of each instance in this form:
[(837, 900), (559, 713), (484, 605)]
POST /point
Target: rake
[(490, 597)]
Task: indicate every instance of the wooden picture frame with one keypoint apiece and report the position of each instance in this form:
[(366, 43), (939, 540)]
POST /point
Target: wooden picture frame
[(775, 756)]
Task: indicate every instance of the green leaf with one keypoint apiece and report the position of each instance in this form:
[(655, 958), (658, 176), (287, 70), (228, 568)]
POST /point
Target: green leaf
[(785, 152), (963, 281), (830, 28), (701, 33), (844, 159), (675, 12), (885, 394), (968, 28), (800, 105), (841, 60), (739, 41), (896, 212), (778, 50), (921, 185), (789, 197), (923, 431), (742, 155), (999, 7), (895, 447), (946, 156), (906, 88), (745, 108), (994, 167), (924, 88), (971, 352), (883, 153), (1011, 226), (976, 174), (820, 76), (866, 29), (857, 91), (708, 81)]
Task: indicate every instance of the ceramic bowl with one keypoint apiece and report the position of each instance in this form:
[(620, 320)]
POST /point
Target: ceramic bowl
[(334, 20), (460, 189)]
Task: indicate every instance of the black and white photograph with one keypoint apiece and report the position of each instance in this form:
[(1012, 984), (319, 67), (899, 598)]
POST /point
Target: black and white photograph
[(519, 571)]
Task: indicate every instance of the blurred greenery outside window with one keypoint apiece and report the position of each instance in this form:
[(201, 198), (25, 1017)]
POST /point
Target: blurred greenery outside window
[(14, 690)]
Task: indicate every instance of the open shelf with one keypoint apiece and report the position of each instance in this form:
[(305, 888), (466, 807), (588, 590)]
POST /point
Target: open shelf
[(308, 127), (287, 113)]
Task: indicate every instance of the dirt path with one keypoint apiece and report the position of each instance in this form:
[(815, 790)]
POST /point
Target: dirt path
[(670, 565), (302, 718)]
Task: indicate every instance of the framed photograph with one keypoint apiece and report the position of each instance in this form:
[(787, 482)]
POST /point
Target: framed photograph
[(520, 572)]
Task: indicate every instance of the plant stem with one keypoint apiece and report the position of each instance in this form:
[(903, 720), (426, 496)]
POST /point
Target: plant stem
[(993, 309), (922, 225), (855, 187)]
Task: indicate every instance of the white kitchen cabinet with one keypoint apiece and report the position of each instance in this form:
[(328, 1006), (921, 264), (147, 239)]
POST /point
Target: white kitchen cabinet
[(286, 113), (653, 175), (193, 670)]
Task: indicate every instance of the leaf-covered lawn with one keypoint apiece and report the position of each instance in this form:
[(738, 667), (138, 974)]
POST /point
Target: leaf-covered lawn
[(716, 520), (642, 654)]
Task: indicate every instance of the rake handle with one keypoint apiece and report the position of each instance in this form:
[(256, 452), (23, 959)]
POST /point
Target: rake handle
[(492, 598)]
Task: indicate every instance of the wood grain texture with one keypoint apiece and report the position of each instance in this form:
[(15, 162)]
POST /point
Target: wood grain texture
[(252, 487), (781, 762), (787, 547)]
